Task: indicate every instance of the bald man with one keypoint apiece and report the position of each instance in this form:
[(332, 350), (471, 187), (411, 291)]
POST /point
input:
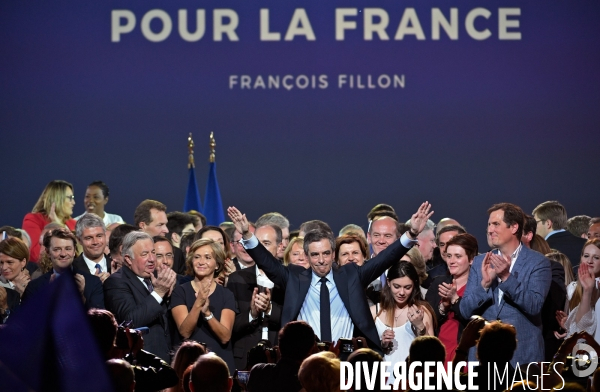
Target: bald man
[(210, 374)]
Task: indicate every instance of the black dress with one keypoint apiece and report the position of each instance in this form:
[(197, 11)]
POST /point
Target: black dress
[(220, 299)]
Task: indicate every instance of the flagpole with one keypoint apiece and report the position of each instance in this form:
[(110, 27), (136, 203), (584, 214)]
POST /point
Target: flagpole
[(192, 197), (213, 205)]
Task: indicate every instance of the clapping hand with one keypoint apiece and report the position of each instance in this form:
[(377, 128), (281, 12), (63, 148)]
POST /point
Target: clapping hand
[(165, 280), (488, 274), (202, 300), (447, 292), (501, 265), (261, 302)]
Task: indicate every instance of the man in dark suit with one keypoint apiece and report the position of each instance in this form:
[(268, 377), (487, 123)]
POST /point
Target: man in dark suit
[(91, 233), (135, 294), (551, 219), (331, 301), (60, 245), (260, 313)]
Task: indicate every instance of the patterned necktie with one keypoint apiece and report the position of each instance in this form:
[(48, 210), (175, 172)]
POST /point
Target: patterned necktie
[(325, 312), (149, 284)]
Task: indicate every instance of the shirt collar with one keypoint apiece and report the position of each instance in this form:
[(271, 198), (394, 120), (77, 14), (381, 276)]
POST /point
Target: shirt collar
[(92, 264), (316, 278), (552, 232)]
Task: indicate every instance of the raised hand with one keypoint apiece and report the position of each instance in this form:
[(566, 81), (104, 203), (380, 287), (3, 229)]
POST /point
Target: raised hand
[(240, 221), (164, 281), (586, 277), (52, 215), (488, 274), (419, 218)]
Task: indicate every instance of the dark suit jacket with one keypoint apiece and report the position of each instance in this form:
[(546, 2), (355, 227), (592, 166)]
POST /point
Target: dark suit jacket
[(567, 243), (247, 334), (93, 293), (129, 300), (178, 261), (554, 301), (350, 280), (434, 299), (80, 265)]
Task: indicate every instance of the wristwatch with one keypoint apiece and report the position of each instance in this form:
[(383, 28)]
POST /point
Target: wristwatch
[(209, 316)]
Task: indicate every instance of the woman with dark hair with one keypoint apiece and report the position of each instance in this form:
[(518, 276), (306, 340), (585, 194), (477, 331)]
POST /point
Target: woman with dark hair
[(14, 255), (445, 292), (403, 313), (218, 235), (55, 205), (203, 310), (95, 199), (351, 248)]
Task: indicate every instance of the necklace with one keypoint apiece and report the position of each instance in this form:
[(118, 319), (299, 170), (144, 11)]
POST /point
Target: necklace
[(398, 316)]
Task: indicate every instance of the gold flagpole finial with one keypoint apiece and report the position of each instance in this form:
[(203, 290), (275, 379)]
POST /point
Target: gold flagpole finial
[(212, 144), (191, 152)]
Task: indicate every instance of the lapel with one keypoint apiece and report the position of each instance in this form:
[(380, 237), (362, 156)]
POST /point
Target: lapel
[(517, 268), (304, 279), (135, 282), (341, 284)]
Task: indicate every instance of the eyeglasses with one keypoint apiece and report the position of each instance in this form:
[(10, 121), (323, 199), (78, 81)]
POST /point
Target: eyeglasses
[(538, 221), (71, 197)]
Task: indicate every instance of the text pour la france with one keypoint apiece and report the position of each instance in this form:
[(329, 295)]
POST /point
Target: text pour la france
[(157, 25)]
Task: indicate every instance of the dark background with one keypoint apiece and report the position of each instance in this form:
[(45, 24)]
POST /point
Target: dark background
[(479, 122)]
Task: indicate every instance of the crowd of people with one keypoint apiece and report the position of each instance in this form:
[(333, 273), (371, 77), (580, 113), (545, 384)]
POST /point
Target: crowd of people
[(181, 305)]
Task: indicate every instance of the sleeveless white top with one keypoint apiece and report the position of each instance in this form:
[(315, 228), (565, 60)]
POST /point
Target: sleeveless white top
[(403, 337)]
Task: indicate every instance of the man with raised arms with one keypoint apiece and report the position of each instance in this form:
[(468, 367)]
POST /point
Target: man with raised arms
[(330, 300)]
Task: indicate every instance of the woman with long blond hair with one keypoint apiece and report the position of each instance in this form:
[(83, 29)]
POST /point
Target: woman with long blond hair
[(55, 205)]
